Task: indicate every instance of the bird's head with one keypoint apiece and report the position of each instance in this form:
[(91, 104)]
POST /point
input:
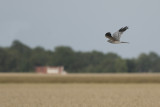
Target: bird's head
[(108, 34)]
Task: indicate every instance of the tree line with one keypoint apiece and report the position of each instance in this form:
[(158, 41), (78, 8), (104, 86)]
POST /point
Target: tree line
[(21, 58)]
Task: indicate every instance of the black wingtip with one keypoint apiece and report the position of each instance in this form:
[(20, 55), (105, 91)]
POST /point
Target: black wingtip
[(123, 29)]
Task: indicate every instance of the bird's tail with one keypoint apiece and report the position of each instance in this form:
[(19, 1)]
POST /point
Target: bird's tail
[(123, 29), (125, 42)]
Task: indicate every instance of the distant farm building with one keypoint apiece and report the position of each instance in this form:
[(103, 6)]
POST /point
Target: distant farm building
[(50, 70)]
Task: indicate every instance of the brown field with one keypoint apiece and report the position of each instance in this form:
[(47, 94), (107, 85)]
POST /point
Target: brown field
[(79, 95), (82, 90)]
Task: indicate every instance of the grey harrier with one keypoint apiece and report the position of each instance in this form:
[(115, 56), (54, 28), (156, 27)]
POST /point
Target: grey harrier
[(115, 38)]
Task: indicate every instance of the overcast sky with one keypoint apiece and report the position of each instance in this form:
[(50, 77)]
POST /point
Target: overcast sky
[(82, 24)]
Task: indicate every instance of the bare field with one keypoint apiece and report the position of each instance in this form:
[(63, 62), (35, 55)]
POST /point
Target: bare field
[(79, 78), (79, 90), (79, 95)]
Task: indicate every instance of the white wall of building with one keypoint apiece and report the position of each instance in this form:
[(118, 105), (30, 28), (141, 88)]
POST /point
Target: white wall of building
[(52, 70)]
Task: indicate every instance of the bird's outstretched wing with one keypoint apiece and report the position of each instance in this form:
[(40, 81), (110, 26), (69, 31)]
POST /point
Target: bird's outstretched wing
[(117, 35), (108, 35)]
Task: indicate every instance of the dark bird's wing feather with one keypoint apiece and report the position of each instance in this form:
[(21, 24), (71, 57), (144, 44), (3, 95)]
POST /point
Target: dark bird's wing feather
[(123, 29)]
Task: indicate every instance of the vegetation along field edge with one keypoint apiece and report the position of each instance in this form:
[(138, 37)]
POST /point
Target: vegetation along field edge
[(79, 78)]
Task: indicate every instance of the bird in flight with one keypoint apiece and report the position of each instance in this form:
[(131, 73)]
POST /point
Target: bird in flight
[(115, 38)]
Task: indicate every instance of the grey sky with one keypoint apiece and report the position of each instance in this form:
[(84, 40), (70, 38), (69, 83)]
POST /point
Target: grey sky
[(82, 24)]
